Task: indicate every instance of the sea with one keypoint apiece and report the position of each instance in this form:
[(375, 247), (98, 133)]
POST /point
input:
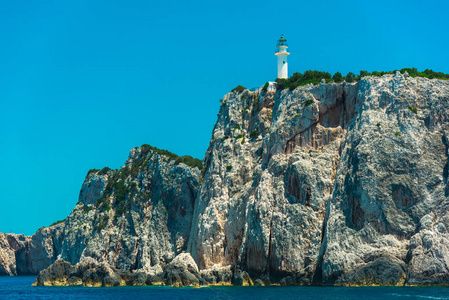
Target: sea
[(20, 288)]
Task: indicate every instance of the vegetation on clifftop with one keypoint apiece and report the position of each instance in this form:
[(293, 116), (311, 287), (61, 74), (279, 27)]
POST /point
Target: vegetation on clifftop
[(238, 89), (145, 149), (185, 159), (120, 186), (315, 77)]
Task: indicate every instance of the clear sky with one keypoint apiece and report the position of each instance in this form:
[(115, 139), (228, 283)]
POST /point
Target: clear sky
[(83, 82)]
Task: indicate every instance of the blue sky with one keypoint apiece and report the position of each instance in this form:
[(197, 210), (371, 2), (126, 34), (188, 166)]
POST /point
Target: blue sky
[(83, 82)]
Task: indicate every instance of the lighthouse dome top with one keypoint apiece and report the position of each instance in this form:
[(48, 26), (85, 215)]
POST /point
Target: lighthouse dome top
[(282, 42)]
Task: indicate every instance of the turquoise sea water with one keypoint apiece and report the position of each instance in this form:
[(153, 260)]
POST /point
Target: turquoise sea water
[(20, 288)]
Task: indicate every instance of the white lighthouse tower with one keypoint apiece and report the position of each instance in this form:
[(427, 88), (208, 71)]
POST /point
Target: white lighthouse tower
[(282, 53)]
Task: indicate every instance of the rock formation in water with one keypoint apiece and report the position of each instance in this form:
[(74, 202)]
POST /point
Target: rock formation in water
[(25, 255), (326, 184)]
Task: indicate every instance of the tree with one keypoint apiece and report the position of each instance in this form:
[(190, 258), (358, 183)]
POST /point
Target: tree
[(280, 83), (337, 77), (350, 77)]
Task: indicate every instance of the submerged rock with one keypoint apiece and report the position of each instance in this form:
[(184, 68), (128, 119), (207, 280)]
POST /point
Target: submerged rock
[(182, 271), (88, 272)]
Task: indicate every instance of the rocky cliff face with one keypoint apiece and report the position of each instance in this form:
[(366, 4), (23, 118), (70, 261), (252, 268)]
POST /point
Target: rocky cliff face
[(326, 184), (335, 183), (270, 171), (136, 217), (24, 255), (133, 218)]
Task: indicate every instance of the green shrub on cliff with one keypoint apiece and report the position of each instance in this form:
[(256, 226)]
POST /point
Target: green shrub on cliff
[(413, 109), (253, 134), (190, 161), (315, 77), (350, 77), (298, 79), (92, 171), (238, 89), (337, 77), (280, 83), (265, 87), (308, 102), (186, 159), (120, 190), (104, 171), (57, 222)]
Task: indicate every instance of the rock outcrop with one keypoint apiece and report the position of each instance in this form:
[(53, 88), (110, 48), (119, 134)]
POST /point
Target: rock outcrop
[(181, 271), (142, 215), (140, 218), (329, 184), (24, 255), (342, 184), (10, 244)]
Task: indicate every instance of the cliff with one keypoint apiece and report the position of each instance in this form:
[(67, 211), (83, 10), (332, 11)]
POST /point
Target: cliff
[(345, 183), (326, 184), (133, 218)]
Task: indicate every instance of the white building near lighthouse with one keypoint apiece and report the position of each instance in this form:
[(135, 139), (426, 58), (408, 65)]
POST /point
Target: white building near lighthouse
[(282, 54)]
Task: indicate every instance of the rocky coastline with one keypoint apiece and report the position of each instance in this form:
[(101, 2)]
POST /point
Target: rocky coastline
[(329, 184)]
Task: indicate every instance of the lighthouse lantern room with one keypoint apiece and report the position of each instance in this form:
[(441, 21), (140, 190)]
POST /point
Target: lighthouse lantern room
[(282, 53)]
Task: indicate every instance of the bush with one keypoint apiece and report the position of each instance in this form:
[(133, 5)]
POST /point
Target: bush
[(363, 74), (238, 89), (101, 203), (229, 168), (86, 208), (253, 134), (186, 159), (397, 133), (120, 190), (104, 171), (413, 109), (280, 83), (378, 124), (298, 79), (350, 77), (190, 161), (427, 73), (308, 102), (315, 77), (239, 136), (265, 87), (337, 77), (92, 171), (57, 222)]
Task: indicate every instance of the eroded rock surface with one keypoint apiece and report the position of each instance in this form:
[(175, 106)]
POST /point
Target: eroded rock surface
[(342, 184), (333, 190), (141, 218), (25, 255)]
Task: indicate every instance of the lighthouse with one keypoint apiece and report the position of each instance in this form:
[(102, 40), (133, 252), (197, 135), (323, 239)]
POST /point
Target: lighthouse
[(282, 53)]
